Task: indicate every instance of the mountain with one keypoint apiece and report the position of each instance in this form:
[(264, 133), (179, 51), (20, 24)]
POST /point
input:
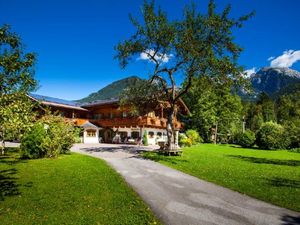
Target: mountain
[(272, 80), (112, 90)]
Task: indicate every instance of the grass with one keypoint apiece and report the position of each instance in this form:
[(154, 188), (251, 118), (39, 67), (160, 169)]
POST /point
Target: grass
[(272, 176), (73, 189)]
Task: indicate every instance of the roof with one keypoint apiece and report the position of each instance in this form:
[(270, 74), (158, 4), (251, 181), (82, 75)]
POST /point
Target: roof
[(100, 102), (88, 124), (46, 100)]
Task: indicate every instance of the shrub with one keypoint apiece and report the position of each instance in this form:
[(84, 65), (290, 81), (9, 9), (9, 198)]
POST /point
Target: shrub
[(296, 150), (272, 136), (194, 136), (61, 135), (50, 136), (246, 139), (145, 139), (183, 140), (292, 130), (187, 142), (32, 142)]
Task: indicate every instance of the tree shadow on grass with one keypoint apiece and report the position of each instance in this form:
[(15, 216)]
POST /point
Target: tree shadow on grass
[(156, 156), (290, 220), (8, 179), (11, 157), (8, 185), (284, 182), (280, 162), (251, 148)]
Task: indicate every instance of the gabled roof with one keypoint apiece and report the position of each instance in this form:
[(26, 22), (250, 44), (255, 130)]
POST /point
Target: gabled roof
[(88, 124), (46, 100)]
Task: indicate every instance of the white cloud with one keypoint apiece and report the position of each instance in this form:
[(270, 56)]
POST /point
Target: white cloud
[(249, 72), (159, 57), (271, 58), (287, 59)]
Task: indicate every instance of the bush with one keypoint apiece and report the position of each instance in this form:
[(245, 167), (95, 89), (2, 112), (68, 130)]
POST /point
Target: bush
[(184, 141), (296, 150), (49, 137), (190, 138), (145, 139), (272, 136), (292, 130), (246, 139), (194, 136), (32, 142)]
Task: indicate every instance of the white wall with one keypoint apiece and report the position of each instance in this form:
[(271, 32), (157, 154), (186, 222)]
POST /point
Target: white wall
[(90, 140), (151, 141)]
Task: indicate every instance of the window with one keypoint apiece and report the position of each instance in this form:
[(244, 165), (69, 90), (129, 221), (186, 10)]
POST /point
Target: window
[(159, 134), (123, 134), (135, 134), (97, 116), (151, 134), (124, 114), (90, 133)]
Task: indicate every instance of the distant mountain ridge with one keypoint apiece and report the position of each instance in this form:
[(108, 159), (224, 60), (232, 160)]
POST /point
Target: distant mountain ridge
[(110, 91), (271, 80), (268, 79)]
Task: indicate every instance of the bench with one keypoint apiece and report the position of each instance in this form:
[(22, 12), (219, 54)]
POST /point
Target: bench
[(171, 152)]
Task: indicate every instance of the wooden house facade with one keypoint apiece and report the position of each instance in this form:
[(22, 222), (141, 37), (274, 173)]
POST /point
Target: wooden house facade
[(105, 121)]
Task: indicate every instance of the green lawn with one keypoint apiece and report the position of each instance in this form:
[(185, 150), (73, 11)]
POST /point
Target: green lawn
[(272, 176), (73, 189)]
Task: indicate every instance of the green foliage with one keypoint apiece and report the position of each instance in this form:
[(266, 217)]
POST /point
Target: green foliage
[(285, 110), (191, 137), (272, 136), (49, 137), (292, 130), (195, 46), (246, 139), (210, 104), (296, 150), (16, 79), (16, 115), (32, 142), (184, 141), (16, 67), (141, 97), (194, 136), (145, 138)]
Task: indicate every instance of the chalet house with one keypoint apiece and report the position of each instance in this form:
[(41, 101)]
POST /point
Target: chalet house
[(105, 121)]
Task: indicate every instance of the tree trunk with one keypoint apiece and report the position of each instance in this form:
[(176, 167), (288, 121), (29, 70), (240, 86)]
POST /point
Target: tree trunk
[(170, 129), (2, 143), (216, 133)]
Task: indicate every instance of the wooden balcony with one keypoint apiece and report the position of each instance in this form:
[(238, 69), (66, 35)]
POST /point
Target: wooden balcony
[(140, 121)]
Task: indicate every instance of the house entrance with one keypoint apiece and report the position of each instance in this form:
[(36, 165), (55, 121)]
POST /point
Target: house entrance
[(107, 135)]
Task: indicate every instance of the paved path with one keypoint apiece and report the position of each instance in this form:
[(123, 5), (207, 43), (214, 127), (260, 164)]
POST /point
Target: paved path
[(178, 198)]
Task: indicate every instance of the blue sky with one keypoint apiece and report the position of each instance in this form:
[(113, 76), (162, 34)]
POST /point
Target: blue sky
[(74, 40)]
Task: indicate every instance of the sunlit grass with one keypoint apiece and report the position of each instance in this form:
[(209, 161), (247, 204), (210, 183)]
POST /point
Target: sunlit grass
[(272, 176), (73, 189)]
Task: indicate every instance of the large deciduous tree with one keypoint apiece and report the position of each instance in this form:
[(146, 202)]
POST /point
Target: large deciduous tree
[(213, 105), (194, 46), (16, 80)]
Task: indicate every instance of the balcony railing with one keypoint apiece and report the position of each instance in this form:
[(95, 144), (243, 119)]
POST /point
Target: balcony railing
[(134, 121)]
